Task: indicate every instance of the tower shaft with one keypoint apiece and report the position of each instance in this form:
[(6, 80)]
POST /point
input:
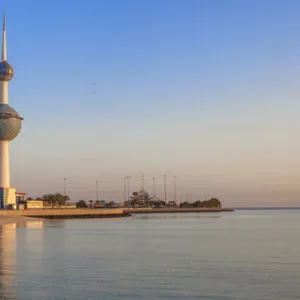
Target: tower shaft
[(3, 92), (4, 163)]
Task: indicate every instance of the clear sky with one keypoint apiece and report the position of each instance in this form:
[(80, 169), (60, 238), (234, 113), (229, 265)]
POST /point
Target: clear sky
[(204, 90)]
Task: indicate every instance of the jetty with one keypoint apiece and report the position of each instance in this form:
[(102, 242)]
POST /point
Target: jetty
[(96, 213), (65, 213)]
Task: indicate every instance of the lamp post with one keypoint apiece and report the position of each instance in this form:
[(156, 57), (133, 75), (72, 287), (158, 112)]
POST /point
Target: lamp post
[(153, 191), (142, 181), (65, 179), (97, 191), (175, 190), (65, 186), (125, 189), (165, 185), (128, 187)]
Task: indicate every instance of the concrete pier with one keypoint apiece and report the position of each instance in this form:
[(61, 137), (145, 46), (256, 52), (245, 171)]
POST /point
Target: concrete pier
[(89, 213), (74, 213)]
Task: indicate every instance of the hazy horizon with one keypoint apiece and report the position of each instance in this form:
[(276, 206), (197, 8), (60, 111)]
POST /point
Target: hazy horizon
[(204, 90)]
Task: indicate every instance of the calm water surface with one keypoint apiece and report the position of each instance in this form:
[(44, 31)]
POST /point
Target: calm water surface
[(241, 255)]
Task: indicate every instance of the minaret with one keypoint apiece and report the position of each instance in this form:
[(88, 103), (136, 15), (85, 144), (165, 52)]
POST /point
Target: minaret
[(10, 126)]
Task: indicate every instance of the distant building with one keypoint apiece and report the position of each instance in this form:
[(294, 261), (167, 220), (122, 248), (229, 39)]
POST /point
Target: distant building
[(7, 198), (100, 204), (20, 197), (50, 206), (37, 204)]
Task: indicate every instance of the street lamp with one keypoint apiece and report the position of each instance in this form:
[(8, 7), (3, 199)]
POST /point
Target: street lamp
[(142, 181), (165, 184), (153, 191), (97, 191), (65, 179), (128, 187), (125, 189), (65, 186), (175, 190)]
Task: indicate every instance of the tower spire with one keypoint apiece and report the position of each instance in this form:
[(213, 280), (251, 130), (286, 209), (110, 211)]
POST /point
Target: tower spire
[(3, 58)]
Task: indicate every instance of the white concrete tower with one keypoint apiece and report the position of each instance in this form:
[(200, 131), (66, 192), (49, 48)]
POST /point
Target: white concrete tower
[(10, 126)]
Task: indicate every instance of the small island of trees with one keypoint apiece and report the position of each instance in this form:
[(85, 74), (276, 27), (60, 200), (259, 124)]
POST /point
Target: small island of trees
[(213, 202)]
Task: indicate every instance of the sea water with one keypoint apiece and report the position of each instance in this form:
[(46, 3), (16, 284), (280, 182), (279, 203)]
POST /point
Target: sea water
[(216, 256)]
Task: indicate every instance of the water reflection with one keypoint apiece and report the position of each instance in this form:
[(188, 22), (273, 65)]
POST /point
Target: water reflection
[(175, 217), (34, 224), (8, 261), (61, 223)]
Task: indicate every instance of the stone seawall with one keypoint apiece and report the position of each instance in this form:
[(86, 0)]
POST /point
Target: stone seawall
[(66, 213)]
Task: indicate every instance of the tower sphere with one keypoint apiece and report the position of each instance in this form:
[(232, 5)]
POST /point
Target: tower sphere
[(6, 71), (10, 123)]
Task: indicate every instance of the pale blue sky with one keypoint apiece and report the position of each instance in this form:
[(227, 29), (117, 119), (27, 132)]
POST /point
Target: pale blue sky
[(204, 90)]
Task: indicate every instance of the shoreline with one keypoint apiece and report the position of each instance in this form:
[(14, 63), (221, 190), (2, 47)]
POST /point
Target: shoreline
[(176, 210), (72, 213), (18, 216)]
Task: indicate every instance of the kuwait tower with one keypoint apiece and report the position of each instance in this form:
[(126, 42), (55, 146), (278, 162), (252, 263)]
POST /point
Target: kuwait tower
[(10, 126)]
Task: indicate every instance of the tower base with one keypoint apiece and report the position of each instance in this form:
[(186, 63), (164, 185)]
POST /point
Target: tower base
[(7, 198)]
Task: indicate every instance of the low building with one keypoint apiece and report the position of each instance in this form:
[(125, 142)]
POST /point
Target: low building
[(47, 206), (20, 206), (7, 198), (10, 199), (20, 197), (37, 204), (20, 200)]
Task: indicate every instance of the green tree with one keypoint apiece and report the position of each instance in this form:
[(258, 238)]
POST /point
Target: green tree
[(211, 203), (197, 204), (81, 204), (146, 197), (215, 202), (110, 204), (56, 199)]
